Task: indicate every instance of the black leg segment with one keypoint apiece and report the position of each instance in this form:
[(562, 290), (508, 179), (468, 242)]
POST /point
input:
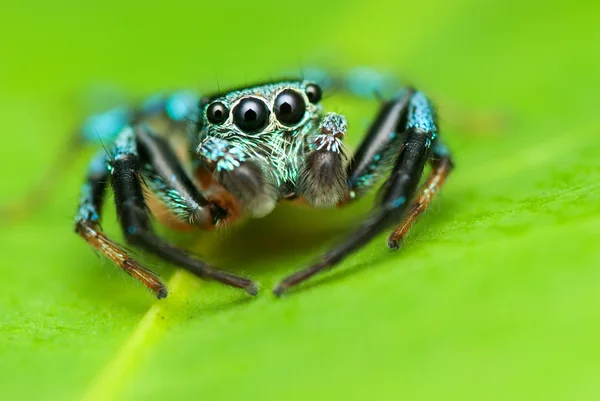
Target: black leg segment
[(126, 180), (380, 145), (166, 178), (441, 166), (397, 191), (87, 225), (135, 221)]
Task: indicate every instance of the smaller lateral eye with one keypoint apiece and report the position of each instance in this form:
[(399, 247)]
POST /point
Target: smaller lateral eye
[(313, 93), (217, 113)]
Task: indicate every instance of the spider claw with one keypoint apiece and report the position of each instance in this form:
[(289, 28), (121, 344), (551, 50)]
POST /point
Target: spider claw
[(230, 279), (279, 289), (162, 293), (393, 244), (300, 276), (252, 288)]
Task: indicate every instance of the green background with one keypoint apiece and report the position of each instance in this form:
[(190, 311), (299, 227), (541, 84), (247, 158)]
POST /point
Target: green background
[(494, 297)]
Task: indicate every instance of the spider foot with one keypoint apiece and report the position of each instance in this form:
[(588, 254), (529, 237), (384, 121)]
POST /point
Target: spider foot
[(393, 244), (231, 279), (92, 234), (298, 277)]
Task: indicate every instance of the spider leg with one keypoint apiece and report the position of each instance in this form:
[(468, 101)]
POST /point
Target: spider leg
[(380, 146), (442, 165), (87, 225), (166, 178), (400, 186), (135, 221), (124, 165)]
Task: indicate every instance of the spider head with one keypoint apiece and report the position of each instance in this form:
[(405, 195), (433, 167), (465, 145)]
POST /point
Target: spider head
[(266, 124), (255, 139)]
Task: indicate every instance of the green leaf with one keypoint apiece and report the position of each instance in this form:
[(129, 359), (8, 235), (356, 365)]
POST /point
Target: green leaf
[(493, 297)]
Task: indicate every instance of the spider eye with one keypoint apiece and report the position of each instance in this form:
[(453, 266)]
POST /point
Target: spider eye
[(251, 115), (217, 113), (289, 107), (314, 93)]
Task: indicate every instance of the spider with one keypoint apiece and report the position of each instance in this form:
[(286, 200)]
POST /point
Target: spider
[(250, 149)]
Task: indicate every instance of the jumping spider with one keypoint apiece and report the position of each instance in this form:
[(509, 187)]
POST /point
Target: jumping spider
[(253, 148)]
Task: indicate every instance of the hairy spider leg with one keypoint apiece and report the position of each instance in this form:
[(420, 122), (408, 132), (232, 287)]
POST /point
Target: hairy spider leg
[(87, 225), (125, 169), (175, 109), (375, 154), (166, 178), (400, 187), (442, 164)]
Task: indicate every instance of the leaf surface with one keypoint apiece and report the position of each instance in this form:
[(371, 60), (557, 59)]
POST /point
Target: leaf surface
[(494, 296)]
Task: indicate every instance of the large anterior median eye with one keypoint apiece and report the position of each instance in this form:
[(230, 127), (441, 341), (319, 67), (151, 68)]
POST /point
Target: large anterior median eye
[(217, 113), (251, 115), (289, 107)]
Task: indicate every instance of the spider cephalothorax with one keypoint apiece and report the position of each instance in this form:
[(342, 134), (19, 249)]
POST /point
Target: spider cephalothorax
[(253, 148), (263, 135), (269, 124)]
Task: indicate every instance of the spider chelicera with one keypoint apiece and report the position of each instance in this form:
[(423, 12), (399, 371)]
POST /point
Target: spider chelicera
[(253, 148)]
